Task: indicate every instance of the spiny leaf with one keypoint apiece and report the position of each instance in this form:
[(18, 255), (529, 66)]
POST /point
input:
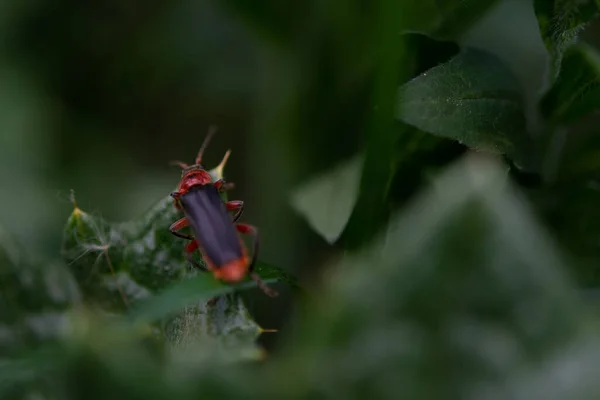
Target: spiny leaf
[(89, 246), (463, 289), (141, 253), (473, 99), (576, 93), (139, 265), (560, 22)]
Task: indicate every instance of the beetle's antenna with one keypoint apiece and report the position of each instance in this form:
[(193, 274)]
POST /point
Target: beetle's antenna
[(180, 164), (211, 131)]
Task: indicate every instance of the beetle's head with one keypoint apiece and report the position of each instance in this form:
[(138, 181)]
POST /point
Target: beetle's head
[(216, 173), (187, 169)]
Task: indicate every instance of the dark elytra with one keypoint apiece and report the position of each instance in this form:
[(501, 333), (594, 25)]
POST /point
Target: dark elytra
[(211, 224)]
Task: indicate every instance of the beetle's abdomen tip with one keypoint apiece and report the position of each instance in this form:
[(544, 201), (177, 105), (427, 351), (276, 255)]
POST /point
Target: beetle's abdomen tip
[(233, 271)]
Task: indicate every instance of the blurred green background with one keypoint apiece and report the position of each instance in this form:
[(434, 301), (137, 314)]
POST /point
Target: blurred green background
[(98, 97)]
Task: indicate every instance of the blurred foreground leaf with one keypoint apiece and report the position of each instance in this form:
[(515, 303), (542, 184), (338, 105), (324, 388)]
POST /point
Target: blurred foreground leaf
[(463, 297), (571, 211), (34, 296), (580, 161), (576, 93), (560, 22), (473, 98)]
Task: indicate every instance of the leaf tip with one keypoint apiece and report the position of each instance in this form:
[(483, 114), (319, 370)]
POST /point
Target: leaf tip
[(217, 172), (76, 210)]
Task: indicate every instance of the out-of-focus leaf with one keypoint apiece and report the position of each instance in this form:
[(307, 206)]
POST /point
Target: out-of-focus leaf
[(462, 297), (446, 19), (576, 93), (107, 357), (176, 297), (473, 99), (578, 161), (560, 22), (393, 64), (31, 373), (417, 155), (34, 296), (327, 201), (571, 212)]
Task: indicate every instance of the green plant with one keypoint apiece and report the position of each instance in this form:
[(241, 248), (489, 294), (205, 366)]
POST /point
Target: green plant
[(468, 227)]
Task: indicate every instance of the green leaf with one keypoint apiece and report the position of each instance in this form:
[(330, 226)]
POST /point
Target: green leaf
[(473, 99), (100, 253), (393, 63), (327, 200), (560, 22), (576, 93), (445, 19), (462, 296)]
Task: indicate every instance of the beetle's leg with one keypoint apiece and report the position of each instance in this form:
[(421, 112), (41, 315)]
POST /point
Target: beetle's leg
[(180, 224), (176, 196), (223, 186), (237, 206), (189, 251), (251, 230)]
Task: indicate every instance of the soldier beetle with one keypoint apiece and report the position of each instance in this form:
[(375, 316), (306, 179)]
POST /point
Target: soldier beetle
[(214, 231)]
